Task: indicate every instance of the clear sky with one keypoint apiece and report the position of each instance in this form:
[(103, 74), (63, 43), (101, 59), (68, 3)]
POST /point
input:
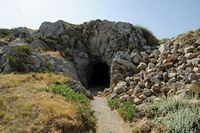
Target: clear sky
[(165, 18)]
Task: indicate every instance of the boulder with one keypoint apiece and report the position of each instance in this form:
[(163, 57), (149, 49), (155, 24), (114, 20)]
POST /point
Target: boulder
[(121, 67), (120, 87)]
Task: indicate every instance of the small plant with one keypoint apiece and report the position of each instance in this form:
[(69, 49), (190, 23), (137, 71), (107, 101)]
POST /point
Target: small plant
[(29, 40), (135, 130), (185, 120), (22, 48), (164, 106), (127, 110), (175, 114), (19, 56), (113, 103)]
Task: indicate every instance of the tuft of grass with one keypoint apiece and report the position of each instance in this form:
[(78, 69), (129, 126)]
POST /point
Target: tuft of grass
[(22, 48), (113, 103), (19, 56), (126, 109), (135, 130), (29, 40), (148, 35)]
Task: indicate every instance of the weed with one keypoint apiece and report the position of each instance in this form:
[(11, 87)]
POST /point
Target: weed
[(127, 110), (113, 103), (19, 56)]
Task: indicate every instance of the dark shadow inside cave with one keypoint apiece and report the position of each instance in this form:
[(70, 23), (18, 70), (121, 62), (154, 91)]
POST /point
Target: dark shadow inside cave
[(99, 78)]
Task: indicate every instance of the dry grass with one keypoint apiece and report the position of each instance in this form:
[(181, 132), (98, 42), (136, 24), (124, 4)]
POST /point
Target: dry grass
[(32, 80), (25, 108), (55, 54)]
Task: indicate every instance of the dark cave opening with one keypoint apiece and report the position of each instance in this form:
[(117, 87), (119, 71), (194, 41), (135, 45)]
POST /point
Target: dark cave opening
[(99, 77)]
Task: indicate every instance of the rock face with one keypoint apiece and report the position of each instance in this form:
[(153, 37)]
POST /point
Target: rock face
[(81, 47)]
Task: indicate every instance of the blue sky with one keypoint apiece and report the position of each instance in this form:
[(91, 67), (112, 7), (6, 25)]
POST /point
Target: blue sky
[(165, 18)]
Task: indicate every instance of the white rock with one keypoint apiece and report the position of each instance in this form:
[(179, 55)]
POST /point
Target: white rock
[(142, 66), (163, 48), (120, 87)]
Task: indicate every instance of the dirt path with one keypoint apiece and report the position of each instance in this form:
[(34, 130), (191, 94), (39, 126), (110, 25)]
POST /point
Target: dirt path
[(108, 121)]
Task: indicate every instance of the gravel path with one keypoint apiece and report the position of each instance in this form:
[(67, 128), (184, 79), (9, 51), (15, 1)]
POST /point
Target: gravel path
[(108, 121)]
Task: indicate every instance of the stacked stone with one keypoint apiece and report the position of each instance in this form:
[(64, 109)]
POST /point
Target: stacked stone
[(163, 71)]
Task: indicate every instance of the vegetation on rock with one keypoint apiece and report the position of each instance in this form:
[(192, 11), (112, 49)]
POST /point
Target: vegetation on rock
[(19, 56)]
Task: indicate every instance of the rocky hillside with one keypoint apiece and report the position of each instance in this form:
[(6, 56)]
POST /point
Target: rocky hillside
[(173, 68), (129, 60), (80, 47)]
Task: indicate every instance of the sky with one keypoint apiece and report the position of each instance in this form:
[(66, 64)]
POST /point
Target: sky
[(165, 18)]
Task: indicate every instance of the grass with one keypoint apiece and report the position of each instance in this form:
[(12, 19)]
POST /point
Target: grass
[(25, 107), (83, 103), (176, 115), (126, 109), (113, 103)]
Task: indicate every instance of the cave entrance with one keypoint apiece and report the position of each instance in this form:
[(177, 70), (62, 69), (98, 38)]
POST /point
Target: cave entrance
[(99, 78)]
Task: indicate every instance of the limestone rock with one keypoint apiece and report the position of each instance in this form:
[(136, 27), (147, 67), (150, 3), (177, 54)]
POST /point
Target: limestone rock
[(120, 87), (142, 66), (163, 48)]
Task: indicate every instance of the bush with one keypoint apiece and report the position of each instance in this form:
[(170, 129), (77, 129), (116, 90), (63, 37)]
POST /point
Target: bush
[(164, 106), (19, 56), (113, 103), (148, 35), (176, 115), (22, 48), (185, 120), (126, 109)]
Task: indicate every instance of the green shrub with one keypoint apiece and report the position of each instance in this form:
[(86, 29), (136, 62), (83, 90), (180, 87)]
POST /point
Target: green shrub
[(83, 103), (127, 110), (164, 106), (113, 103), (185, 120), (22, 49), (148, 35), (19, 56), (175, 114), (135, 130), (29, 40)]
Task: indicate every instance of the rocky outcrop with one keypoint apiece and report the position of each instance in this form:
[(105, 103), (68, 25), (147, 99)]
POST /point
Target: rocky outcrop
[(171, 68), (115, 44)]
